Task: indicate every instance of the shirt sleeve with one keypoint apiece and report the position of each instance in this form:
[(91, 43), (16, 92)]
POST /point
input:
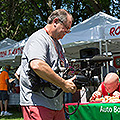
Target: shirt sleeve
[(37, 48)]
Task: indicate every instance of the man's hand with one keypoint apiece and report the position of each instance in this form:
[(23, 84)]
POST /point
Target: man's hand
[(116, 93), (69, 86), (95, 95)]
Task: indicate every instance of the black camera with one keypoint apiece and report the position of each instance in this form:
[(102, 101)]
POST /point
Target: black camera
[(88, 73), (81, 81)]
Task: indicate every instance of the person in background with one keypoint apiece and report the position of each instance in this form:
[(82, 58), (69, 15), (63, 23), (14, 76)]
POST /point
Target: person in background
[(4, 86), (68, 96), (110, 87), (16, 82), (43, 56), (17, 73)]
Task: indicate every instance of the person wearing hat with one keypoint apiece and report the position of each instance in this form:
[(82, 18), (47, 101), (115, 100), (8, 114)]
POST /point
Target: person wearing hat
[(4, 85)]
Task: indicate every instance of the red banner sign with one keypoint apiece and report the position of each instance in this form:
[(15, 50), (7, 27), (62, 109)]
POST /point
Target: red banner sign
[(9, 52), (114, 31)]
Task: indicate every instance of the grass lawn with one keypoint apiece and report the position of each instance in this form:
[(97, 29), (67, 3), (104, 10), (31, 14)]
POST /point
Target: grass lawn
[(17, 114)]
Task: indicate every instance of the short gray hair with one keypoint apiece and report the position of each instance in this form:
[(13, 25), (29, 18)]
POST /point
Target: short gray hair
[(60, 14)]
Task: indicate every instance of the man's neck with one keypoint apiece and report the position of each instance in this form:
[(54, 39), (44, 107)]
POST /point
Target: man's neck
[(49, 29)]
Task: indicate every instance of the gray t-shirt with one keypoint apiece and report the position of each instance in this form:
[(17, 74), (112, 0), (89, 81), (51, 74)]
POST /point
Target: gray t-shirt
[(18, 70), (40, 46)]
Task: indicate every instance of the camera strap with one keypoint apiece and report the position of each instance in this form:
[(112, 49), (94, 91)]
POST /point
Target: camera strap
[(60, 54), (37, 83), (77, 103)]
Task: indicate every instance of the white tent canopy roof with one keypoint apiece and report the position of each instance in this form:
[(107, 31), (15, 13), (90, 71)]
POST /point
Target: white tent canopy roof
[(88, 34), (7, 42), (12, 54), (90, 30)]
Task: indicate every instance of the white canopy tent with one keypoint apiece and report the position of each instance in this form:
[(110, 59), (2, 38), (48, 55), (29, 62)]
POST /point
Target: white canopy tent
[(7, 42), (90, 33), (12, 54)]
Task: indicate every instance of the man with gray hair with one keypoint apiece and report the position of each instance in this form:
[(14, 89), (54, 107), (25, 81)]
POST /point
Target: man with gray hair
[(42, 57)]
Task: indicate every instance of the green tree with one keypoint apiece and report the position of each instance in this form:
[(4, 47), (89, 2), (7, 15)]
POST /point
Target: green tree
[(20, 18)]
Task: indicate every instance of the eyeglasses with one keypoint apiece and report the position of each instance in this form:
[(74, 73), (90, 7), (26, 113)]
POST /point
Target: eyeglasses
[(68, 29)]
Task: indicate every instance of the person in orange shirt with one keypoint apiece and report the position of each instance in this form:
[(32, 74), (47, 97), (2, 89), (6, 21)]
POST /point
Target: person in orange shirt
[(4, 84)]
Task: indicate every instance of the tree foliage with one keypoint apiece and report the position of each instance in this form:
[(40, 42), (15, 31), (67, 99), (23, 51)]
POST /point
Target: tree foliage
[(20, 18)]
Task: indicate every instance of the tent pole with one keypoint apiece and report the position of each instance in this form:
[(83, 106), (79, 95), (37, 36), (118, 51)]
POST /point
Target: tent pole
[(100, 46), (106, 47)]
